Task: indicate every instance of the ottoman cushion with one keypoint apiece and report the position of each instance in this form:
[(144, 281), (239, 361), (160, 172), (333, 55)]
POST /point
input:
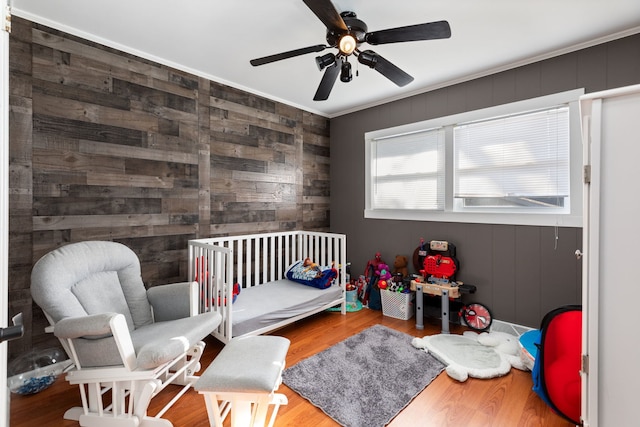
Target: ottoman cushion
[(246, 365)]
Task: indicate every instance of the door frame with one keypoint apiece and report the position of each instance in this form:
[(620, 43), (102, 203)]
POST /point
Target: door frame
[(590, 112), (4, 201)]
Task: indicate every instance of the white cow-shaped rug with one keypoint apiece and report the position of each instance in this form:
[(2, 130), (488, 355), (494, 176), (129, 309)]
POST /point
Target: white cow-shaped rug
[(485, 355)]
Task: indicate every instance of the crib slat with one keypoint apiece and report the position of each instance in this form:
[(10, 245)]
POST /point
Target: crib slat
[(241, 262), (317, 250), (266, 242), (255, 262), (271, 260), (304, 241), (279, 268)]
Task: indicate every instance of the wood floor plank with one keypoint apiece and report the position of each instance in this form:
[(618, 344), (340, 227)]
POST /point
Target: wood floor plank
[(507, 401)]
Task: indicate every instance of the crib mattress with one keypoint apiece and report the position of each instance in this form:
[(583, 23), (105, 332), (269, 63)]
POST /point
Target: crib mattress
[(264, 305)]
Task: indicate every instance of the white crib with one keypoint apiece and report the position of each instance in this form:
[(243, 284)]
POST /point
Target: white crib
[(258, 263)]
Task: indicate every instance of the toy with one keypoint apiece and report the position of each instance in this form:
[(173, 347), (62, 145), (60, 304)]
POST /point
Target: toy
[(352, 295), (372, 264), (485, 355), (36, 370), (221, 301), (372, 293), (384, 276), (400, 266), (383, 272), (202, 269), (439, 267), (311, 266), (361, 285)]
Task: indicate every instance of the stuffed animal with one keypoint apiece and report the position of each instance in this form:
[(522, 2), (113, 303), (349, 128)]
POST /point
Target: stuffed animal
[(493, 354), (505, 344), (383, 271), (384, 275), (400, 266), (310, 265)]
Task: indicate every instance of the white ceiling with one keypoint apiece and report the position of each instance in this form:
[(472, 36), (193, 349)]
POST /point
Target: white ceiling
[(217, 38)]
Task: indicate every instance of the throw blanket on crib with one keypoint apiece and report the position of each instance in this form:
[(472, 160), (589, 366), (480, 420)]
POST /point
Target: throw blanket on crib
[(311, 274)]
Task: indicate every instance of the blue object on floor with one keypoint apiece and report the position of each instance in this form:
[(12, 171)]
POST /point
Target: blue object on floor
[(527, 342)]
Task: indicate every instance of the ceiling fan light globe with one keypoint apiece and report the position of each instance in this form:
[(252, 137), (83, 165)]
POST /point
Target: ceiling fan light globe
[(345, 72), (347, 44), (368, 58), (325, 61)]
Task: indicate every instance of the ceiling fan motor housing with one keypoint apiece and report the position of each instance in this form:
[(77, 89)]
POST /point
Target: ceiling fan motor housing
[(356, 27)]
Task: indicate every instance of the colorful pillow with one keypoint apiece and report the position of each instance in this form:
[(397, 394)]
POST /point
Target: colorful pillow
[(309, 274)]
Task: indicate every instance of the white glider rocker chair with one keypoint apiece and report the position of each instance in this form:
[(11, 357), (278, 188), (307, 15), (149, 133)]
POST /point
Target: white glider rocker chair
[(127, 343)]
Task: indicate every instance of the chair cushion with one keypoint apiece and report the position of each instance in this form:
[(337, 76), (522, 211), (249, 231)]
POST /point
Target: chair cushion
[(162, 342), (154, 344), (65, 282), (102, 293)]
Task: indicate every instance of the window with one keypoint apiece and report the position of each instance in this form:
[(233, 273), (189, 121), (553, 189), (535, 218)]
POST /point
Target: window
[(518, 163), (513, 161), (408, 171)]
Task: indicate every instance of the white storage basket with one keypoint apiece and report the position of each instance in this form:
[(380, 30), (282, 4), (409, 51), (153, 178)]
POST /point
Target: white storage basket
[(397, 305)]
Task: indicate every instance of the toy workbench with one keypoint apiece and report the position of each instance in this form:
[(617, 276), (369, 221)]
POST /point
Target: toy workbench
[(446, 290)]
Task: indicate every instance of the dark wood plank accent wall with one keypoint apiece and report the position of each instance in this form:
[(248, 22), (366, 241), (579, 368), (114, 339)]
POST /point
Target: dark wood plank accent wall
[(109, 146)]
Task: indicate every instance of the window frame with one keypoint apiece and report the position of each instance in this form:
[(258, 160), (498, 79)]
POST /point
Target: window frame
[(488, 215)]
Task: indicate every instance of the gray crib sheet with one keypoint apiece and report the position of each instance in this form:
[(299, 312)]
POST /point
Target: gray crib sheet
[(260, 306)]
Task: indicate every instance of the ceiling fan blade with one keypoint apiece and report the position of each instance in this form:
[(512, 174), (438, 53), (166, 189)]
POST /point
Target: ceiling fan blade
[(286, 55), (384, 67), (328, 80), (327, 13), (410, 33)]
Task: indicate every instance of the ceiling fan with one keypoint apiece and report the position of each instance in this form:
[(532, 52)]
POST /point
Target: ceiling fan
[(347, 33)]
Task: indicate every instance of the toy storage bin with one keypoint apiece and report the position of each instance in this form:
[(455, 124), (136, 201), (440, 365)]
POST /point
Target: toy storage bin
[(397, 305)]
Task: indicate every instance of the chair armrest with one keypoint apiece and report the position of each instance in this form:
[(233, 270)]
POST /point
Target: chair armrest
[(174, 301), (98, 326), (93, 326)]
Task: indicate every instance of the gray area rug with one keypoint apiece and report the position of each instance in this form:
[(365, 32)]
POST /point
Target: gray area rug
[(365, 380)]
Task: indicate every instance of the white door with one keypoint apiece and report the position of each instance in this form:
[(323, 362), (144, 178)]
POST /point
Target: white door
[(611, 235), (591, 194)]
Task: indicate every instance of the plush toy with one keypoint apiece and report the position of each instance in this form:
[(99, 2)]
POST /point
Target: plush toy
[(383, 271), (485, 355), (310, 265), (400, 266), (384, 275)]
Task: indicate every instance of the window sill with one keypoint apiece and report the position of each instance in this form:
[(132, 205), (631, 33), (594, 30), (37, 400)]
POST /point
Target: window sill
[(563, 220)]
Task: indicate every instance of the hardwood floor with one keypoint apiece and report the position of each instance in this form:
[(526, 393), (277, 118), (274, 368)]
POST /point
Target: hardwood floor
[(506, 401)]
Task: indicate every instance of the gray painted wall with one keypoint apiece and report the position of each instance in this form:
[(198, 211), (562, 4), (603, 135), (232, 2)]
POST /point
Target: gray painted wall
[(519, 274)]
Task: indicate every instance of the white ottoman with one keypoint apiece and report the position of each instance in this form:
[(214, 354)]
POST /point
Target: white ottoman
[(243, 380)]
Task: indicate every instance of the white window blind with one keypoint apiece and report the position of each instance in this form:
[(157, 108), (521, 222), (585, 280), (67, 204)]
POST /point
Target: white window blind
[(519, 160), (407, 171)]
